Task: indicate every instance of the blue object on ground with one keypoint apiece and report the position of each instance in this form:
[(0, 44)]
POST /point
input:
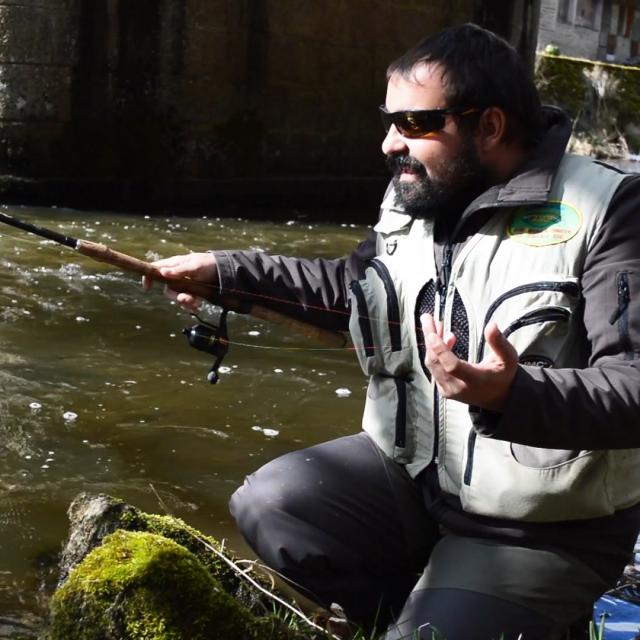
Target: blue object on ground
[(619, 609), (621, 618)]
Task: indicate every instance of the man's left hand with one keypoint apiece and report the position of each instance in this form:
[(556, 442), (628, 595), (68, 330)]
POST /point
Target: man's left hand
[(486, 384)]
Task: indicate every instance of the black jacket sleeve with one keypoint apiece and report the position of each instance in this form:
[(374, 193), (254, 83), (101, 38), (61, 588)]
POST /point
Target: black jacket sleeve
[(314, 291), (597, 407)]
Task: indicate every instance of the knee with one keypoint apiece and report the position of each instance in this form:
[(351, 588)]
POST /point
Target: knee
[(260, 501)]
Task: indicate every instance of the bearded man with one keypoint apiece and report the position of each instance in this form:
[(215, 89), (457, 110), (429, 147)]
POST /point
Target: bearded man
[(495, 307)]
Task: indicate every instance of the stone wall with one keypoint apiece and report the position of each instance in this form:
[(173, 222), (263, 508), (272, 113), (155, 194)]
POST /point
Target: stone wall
[(572, 39), (163, 92), (38, 40)]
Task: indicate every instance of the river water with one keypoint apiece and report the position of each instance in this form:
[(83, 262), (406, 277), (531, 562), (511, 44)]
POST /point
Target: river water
[(100, 392)]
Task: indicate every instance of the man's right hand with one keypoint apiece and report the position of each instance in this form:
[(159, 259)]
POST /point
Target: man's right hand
[(199, 267)]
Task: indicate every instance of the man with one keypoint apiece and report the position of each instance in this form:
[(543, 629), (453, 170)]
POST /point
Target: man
[(495, 308)]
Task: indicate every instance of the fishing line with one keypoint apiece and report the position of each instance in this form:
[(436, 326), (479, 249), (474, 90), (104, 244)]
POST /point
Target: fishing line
[(235, 343), (208, 337), (68, 241)]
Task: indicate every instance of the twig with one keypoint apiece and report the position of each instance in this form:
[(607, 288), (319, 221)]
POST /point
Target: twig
[(247, 577)]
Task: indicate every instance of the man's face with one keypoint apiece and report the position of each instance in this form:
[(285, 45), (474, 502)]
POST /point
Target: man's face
[(439, 174)]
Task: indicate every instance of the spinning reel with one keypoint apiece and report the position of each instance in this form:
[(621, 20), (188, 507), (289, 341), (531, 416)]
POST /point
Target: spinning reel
[(211, 339)]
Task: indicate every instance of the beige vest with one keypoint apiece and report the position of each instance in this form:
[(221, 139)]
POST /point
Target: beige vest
[(521, 270)]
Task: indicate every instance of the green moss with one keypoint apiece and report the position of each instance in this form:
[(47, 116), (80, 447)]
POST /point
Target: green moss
[(200, 545), (140, 586)]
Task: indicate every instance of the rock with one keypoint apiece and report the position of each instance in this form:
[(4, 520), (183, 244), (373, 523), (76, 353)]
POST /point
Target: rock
[(92, 517), (142, 586), (130, 575)]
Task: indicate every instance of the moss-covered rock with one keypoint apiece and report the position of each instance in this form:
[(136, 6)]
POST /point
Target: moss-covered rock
[(92, 517), (130, 575), (142, 586)]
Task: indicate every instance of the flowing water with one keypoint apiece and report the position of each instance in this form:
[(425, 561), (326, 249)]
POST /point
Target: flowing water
[(100, 392)]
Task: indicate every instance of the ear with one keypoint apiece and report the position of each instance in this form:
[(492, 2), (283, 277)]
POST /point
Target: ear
[(492, 128)]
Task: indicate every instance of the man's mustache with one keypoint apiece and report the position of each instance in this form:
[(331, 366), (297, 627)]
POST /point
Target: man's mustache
[(398, 163)]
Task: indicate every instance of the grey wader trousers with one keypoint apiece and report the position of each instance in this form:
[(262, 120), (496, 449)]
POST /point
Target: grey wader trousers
[(345, 524)]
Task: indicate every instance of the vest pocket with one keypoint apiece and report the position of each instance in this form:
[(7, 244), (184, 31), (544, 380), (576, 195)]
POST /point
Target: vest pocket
[(571, 488), (364, 322), (375, 325), (620, 315), (390, 416), (538, 334), (531, 311)]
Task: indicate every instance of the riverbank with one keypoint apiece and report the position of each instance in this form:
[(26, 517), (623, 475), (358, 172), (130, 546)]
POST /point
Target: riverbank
[(321, 198)]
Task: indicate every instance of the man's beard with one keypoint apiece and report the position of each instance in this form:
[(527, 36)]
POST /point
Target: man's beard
[(460, 180)]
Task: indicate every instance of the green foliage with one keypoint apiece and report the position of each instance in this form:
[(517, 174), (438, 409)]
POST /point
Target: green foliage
[(561, 81), (603, 99), (596, 633)]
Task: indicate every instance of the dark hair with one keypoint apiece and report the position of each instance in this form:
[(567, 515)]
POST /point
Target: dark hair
[(482, 70)]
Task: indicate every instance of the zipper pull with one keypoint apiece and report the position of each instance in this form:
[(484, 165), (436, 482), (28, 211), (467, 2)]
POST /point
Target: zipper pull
[(446, 265), (445, 271), (443, 278), (624, 297)]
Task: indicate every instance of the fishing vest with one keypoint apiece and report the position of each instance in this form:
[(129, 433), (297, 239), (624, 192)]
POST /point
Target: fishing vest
[(522, 270)]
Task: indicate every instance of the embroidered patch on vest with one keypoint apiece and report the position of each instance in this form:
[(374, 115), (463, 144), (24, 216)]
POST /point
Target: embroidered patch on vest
[(391, 247), (552, 223), (536, 361)]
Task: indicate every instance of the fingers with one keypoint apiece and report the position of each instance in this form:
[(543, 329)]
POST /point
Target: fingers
[(440, 357), (446, 368), (502, 349), (201, 267), (197, 266), (431, 325), (450, 340), (186, 300), (428, 324), (147, 283)]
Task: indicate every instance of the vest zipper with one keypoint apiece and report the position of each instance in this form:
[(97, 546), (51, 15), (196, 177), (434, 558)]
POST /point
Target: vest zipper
[(401, 413), (570, 288), (558, 314), (364, 322), (443, 285), (621, 313), (443, 278), (393, 307)]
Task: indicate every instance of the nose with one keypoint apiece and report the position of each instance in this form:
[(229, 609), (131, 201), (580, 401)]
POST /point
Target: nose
[(393, 142)]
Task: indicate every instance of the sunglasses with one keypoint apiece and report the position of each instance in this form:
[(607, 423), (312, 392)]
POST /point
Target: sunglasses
[(417, 124)]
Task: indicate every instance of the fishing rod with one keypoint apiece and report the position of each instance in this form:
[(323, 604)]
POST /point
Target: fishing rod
[(204, 336)]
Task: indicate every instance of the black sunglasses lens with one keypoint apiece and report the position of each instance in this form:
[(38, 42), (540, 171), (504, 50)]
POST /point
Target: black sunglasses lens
[(415, 124)]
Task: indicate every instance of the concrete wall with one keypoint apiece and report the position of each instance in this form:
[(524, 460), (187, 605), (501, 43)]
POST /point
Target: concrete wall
[(167, 91), (38, 40)]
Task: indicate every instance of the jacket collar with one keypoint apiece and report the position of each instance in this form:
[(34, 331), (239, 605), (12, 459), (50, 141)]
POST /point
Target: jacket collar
[(531, 184)]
